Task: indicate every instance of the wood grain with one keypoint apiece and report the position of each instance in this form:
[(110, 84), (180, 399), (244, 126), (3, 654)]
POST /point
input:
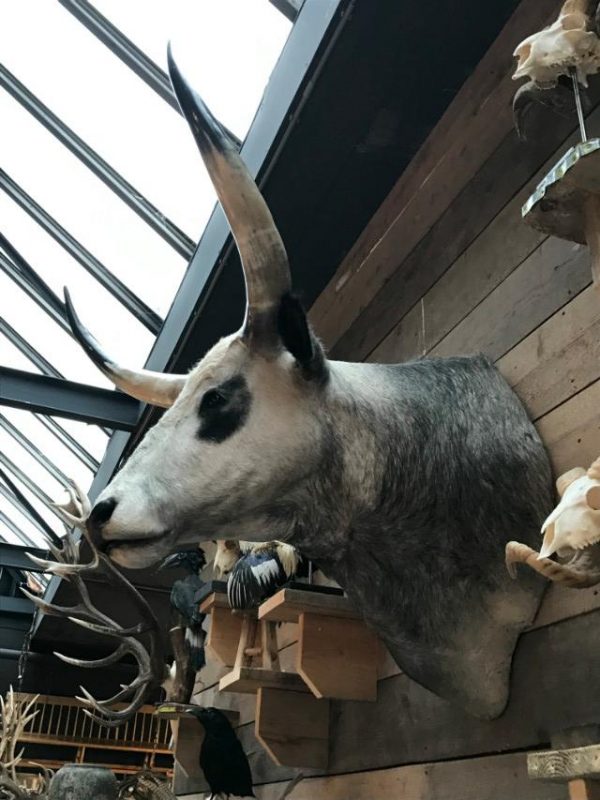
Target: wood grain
[(489, 778), (461, 142)]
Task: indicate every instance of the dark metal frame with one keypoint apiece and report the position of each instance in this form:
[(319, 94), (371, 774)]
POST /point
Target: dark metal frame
[(22, 476), (124, 190), (104, 276), (23, 274), (36, 358), (65, 438), (19, 389), (289, 8), (14, 528), (33, 451), (6, 492), (46, 368), (14, 557)]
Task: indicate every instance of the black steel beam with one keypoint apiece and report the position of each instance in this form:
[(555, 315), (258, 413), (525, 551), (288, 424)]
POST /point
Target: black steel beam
[(46, 368), (9, 494), (61, 398), (41, 495), (14, 556), (14, 528), (15, 266), (16, 605), (128, 193), (103, 275), (36, 358), (65, 438), (128, 52), (33, 451), (289, 8)]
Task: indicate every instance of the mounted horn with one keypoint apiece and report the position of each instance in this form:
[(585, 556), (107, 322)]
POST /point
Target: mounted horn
[(156, 388), (262, 252)]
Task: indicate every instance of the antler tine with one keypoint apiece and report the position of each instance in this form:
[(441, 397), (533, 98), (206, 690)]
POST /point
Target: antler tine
[(77, 509), (151, 662)]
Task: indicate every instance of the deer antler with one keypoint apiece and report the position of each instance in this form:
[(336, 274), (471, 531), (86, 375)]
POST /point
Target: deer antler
[(151, 663), (16, 715)]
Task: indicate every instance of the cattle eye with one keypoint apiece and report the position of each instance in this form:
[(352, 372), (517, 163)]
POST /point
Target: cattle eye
[(212, 399)]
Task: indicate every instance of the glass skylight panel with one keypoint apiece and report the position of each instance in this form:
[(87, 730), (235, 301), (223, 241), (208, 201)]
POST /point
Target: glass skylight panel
[(99, 310), (87, 208), (229, 46), (105, 104), (57, 453)]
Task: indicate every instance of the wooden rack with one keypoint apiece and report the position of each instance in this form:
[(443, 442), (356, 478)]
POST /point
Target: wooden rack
[(337, 659), (61, 722)]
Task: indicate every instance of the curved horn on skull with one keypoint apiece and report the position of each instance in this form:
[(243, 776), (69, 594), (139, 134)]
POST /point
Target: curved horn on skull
[(262, 252), (156, 388)]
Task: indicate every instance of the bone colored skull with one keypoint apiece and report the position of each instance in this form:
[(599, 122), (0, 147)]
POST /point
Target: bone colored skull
[(575, 522), (545, 56)]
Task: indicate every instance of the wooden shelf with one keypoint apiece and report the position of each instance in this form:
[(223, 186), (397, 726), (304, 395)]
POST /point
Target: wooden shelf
[(293, 728), (288, 604), (337, 653), (248, 680)]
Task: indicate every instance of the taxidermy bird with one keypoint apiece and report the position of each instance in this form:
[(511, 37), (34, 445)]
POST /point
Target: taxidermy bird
[(222, 758), (259, 571), (184, 604)]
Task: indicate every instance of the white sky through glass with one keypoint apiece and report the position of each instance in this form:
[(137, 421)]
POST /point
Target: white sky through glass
[(228, 48)]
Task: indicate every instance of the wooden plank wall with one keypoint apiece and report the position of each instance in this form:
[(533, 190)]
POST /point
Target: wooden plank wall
[(446, 266)]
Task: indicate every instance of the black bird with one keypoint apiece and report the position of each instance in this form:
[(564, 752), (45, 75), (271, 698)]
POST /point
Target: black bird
[(261, 569), (222, 758), (183, 603)]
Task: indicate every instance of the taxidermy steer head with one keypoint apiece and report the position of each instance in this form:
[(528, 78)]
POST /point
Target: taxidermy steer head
[(404, 483)]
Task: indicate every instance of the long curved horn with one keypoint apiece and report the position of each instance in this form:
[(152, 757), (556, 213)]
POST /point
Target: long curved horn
[(261, 249), (156, 388)]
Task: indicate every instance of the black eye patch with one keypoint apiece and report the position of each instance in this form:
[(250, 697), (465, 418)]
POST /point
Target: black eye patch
[(224, 409)]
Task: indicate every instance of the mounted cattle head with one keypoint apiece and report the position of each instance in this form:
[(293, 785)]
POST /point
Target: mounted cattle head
[(243, 424), (403, 482)]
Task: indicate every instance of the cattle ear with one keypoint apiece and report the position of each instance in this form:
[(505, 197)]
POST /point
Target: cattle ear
[(297, 337)]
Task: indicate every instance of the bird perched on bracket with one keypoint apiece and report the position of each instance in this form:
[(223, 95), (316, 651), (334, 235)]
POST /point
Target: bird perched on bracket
[(186, 617), (222, 759), (256, 570)]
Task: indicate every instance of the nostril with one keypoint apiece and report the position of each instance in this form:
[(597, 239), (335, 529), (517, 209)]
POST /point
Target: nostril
[(102, 511)]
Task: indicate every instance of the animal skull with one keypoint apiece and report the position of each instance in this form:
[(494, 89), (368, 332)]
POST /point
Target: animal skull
[(566, 44), (571, 532)]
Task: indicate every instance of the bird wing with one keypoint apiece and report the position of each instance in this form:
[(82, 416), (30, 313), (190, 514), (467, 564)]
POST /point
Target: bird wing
[(254, 577)]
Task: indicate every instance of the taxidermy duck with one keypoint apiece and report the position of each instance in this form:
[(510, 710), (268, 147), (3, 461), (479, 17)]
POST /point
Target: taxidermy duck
[(571, 531)]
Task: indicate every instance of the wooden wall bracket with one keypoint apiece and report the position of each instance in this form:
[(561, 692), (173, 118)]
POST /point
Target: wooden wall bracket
[(293, 727), (258, 643), (576, 766), (225, 628), (337, 653), (566, 202)]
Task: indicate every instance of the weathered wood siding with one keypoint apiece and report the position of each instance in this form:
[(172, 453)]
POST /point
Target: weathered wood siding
[(446, 266)]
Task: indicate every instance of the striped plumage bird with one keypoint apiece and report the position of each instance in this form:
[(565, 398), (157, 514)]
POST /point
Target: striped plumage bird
[(260, 569)]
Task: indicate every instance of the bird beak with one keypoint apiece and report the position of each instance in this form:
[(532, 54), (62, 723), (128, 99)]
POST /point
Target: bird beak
[(169, 561)]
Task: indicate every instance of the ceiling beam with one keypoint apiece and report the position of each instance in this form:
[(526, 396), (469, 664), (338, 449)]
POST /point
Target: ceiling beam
[(62, 398), (289, 8), (15, 557)]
